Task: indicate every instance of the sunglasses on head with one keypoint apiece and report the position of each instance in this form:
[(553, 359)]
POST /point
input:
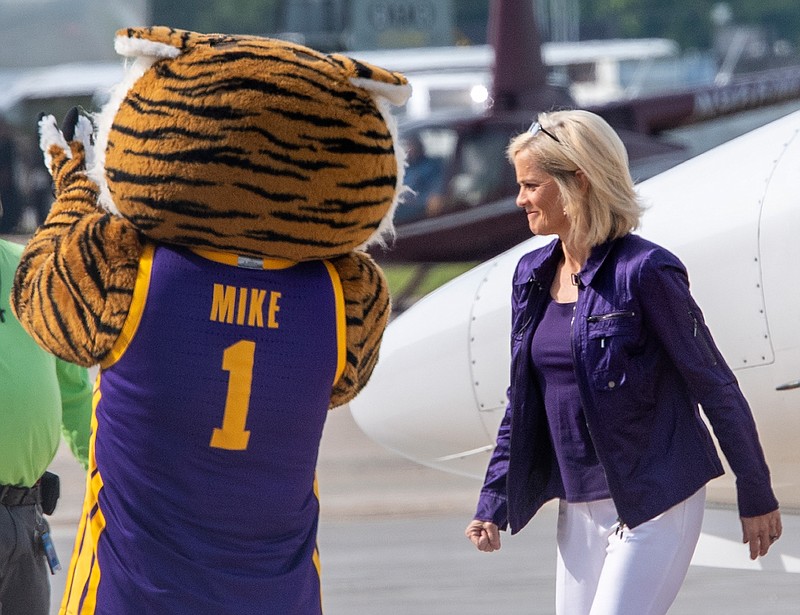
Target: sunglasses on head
[(536, 128)]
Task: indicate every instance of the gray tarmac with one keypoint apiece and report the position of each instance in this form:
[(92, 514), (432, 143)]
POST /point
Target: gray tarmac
[(391, 543)]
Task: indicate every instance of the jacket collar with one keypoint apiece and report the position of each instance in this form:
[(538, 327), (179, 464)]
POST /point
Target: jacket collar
[(597, 257), (540, 265)]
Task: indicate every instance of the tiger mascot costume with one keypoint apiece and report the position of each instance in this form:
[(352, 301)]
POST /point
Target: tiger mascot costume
[(204, 250)]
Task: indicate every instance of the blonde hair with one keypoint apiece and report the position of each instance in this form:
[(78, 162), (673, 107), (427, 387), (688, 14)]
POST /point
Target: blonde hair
[(609, 207)]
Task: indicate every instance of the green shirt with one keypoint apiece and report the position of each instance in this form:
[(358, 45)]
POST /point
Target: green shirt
[(40, 395)]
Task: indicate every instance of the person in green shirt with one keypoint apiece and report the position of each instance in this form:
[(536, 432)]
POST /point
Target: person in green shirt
[(41, 398)]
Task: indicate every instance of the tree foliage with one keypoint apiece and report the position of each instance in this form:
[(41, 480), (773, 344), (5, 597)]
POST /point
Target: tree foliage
[(686, 21), (781, 18), (232, 16)]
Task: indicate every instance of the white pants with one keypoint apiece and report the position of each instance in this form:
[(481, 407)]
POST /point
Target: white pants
[(607, 570)]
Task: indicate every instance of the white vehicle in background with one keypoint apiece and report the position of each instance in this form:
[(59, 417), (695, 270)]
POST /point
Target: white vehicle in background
[(39, 87), (594, 72)]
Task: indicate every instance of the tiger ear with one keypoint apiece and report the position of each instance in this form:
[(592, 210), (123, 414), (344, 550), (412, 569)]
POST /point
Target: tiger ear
[(154, 42), (389, 84)]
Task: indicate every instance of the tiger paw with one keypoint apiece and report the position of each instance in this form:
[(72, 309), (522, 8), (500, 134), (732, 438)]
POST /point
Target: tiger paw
[(67, 150)]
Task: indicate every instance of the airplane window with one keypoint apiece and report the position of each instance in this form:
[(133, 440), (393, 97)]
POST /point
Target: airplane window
[(460, 98), (581, 73), (481, 170), (439, 142), (428, 153)]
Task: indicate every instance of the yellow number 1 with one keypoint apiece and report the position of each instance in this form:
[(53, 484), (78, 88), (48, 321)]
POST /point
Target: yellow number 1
[(238, 360)]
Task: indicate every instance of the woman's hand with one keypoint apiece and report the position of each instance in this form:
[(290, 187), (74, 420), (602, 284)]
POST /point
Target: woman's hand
[(484, 534), (761, 532)]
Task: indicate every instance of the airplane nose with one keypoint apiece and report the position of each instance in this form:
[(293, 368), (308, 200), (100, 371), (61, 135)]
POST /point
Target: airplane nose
[(438, 392)]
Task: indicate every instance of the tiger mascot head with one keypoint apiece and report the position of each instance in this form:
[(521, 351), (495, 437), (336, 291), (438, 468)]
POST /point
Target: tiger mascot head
[(250, 145)]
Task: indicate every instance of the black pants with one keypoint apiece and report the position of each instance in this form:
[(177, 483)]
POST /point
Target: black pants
[(24, 576)]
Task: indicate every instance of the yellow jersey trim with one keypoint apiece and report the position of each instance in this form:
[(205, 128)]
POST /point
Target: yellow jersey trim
[(138, 301), (341, 320), (83, 574), (248, 262)]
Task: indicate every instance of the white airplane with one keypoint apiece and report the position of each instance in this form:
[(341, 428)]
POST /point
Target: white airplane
[(733, 216)]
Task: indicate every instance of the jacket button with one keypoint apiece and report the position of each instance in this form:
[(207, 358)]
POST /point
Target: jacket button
[(611, 384)]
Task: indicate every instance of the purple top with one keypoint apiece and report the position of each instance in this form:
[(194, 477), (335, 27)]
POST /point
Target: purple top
[(581, 473)]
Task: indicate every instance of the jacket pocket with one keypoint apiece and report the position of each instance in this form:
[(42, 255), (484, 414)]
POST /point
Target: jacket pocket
[(612, 341), (703, 339)]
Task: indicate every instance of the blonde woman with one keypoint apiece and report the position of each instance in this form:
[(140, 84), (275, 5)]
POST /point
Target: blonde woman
[(610, 359)]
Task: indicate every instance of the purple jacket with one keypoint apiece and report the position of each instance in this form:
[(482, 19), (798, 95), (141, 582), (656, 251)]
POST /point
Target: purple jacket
[(644, 360)]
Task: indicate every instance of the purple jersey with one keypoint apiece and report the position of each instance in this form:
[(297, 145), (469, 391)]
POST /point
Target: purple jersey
[(201, 495)]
